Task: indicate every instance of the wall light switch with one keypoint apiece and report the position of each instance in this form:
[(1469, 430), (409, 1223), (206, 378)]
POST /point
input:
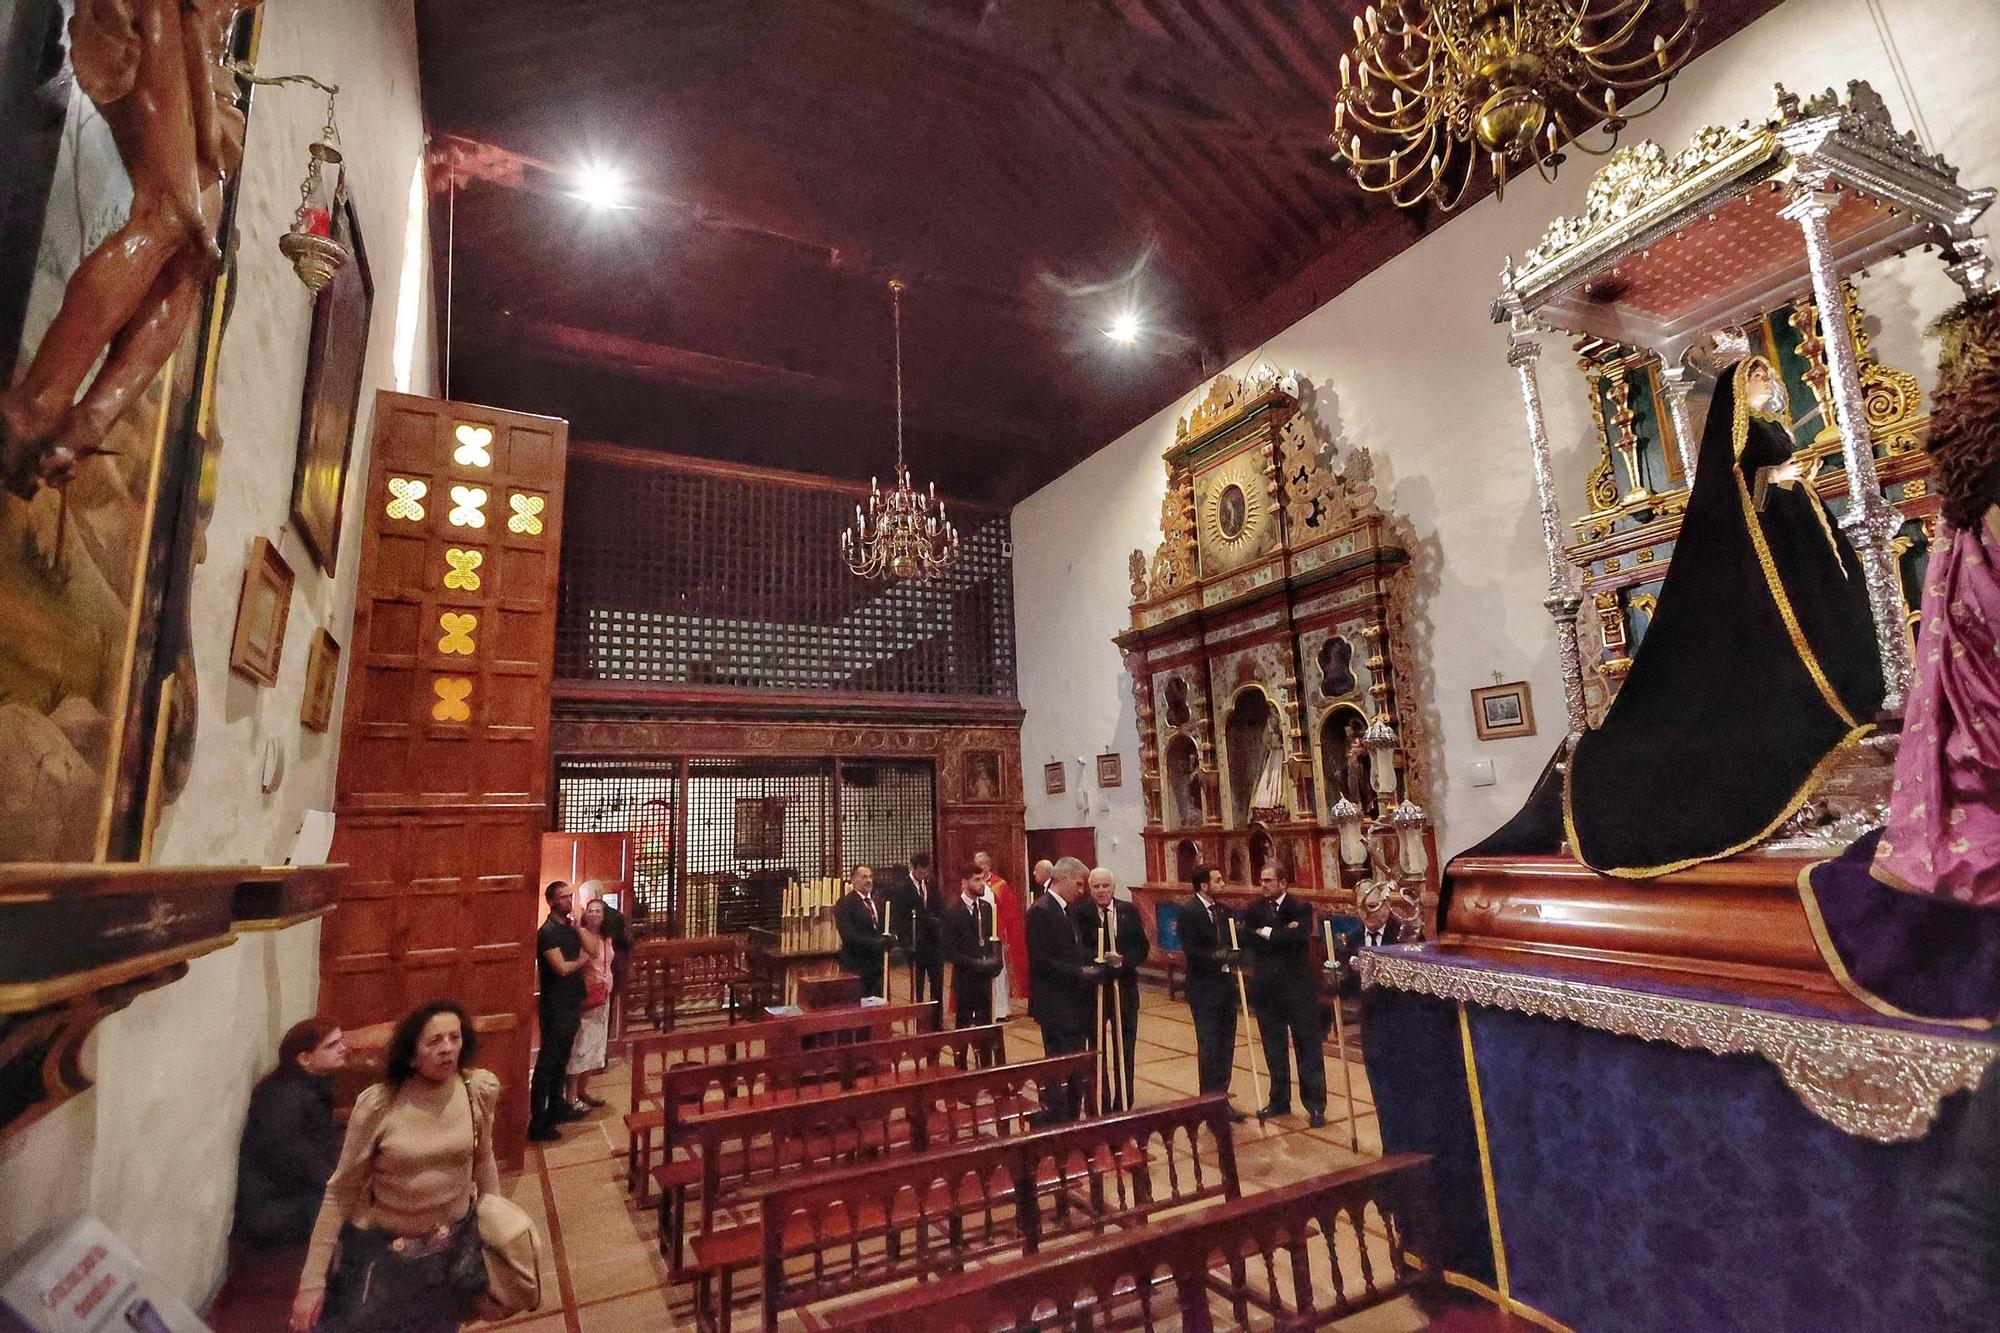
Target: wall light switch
[(1482, 772)]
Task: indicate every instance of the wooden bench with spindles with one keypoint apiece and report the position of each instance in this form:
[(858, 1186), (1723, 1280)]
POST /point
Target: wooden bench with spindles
[(1303, 1256), (932, 1213), (739, 1149), (823, 1071), (651, 1056)]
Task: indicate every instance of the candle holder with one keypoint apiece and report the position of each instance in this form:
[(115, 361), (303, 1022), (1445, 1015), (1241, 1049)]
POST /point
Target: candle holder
[(310, 246), (1353, 838), (1380, 741), (1409, 820)]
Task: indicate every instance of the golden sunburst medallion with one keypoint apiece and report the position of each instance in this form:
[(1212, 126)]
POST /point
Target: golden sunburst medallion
[(1232, 514)]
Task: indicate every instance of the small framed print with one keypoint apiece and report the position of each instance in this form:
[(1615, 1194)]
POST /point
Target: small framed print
[(1054, 781), (259, 644), (322, 673), (1110, 770), (1500, 711)]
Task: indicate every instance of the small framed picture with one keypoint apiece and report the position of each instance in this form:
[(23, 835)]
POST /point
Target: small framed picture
[(1500, 711), (982, 775), (322, 673), (1054, 781), (259, 644), (1110, 770)]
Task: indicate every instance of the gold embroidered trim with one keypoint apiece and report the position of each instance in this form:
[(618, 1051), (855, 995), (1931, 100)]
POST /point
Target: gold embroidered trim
[(1485, 1155), (1799, 798), (1507, 1303), (1809, 899), (1807, 656)]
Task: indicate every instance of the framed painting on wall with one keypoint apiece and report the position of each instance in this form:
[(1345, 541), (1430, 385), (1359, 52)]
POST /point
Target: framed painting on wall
[(261, 613), (982, 775), (1500, 711), (322, 674), (1053, 779), (1110, 770), (334, 360), (94, 574)]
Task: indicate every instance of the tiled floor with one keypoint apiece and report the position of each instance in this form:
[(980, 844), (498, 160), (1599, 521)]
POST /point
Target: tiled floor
[(602, 1272)]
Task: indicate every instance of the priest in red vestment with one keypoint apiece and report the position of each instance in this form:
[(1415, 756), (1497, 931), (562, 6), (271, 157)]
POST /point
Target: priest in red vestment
[(1013, 925)]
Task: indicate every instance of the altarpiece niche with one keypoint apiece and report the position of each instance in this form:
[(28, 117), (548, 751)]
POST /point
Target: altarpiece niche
[(1268, 657)]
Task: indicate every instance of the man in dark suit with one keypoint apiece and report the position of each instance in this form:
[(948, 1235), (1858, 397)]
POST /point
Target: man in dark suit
[(967, 942), (915, 921), (1378, 928), (1127, 949), (1285, 996), (1211, 983), (863, 943), (1062, 978)]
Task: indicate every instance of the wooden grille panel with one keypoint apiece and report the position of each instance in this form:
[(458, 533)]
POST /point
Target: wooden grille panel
[(687, 577), (442, 787)]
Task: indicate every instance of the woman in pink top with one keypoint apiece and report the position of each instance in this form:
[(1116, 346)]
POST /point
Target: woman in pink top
[(588, 1056)]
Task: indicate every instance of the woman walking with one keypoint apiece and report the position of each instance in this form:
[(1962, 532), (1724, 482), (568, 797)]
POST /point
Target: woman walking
[(593, 1033), (398, 1219)]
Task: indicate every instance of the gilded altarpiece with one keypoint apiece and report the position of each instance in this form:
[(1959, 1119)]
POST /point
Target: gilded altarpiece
[(1266, 649)]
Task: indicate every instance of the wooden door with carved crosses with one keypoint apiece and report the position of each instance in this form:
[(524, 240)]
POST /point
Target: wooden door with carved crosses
[(442, 794)]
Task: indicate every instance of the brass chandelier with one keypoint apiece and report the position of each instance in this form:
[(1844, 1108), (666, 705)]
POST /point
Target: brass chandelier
[(1433, 87), (904, 533)]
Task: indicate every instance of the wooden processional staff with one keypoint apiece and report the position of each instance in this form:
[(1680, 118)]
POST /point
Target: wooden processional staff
[(1340, 1037), (1242, 994), (1117, 1038)]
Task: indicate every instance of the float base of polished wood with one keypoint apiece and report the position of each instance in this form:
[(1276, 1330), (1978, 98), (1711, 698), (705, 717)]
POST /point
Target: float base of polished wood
[(1738, 919)]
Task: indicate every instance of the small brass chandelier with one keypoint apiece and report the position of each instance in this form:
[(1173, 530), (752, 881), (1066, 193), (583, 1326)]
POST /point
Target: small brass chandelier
[(1433, 87), (904, 533), (312, 245)]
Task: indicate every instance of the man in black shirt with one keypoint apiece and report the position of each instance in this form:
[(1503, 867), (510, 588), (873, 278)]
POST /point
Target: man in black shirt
[(1285, 995), (559, 949)]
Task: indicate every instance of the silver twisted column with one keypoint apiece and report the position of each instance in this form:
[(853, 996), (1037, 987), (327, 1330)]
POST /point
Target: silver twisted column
[(1679, 379), (1871, 522), (1563, 601)]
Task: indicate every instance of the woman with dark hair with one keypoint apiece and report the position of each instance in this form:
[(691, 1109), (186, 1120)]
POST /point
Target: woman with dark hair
[(290, 1143), (419, 1149)]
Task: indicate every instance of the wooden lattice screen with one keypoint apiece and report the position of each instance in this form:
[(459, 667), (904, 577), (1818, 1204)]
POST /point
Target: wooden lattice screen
[(682, 574)]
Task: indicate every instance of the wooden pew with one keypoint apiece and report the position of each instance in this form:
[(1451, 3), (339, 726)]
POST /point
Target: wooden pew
[(664, 972), (651, 1056), (1298, 1255), (823, 1071), (737, 1150), (931, 1213)]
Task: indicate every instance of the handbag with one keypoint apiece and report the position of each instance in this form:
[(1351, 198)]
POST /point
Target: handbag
[(504, 1246), (596, 987)]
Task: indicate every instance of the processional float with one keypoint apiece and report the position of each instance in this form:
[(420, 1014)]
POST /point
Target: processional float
[(1572, 1047)]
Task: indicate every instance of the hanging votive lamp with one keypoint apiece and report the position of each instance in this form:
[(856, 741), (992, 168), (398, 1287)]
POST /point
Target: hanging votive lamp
[(315, 255), (1410, 821), (1353, 842)]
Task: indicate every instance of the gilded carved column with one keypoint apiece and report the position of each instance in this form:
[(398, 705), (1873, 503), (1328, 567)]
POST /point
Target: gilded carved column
[(1563, 601), (1871, 522)]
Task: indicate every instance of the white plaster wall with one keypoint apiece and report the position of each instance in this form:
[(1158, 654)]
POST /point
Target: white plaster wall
[(1407, 364), (152, 1149)]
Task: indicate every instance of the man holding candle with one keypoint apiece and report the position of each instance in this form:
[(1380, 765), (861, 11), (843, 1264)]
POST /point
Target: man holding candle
[(1286, 997), (1010, 918), (1063, 996), (967, 937), (864, 938), (1127, 947)]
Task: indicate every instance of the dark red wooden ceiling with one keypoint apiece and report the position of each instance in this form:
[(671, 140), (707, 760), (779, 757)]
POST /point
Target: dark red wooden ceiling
[(1027, 166)]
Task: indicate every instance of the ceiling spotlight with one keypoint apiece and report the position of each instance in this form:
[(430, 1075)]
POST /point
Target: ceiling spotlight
[(1124, 329), (601, 186)]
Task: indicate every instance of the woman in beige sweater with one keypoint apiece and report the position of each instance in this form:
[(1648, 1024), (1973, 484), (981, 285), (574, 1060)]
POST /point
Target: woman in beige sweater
[(416, 1145)]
